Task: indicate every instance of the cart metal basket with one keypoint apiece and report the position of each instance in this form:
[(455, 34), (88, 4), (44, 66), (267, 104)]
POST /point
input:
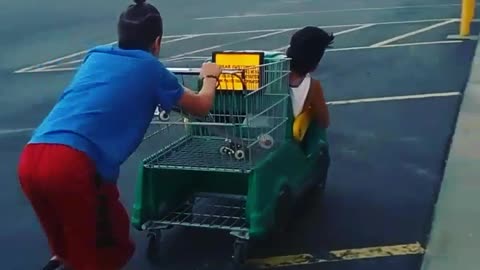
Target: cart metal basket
[(243, 127)]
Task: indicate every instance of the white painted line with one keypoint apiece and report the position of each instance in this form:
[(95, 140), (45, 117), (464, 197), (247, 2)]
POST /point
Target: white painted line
[(187, 59), (228, 44), (179, 60), (254, 31), (62, 64), (56, 60), (267, 30), (470, 37), (23, 70), (242, 32), (194, 57), (81, 60), (179, 39), (327, 26), (15, 131), (392, 98), (327, 11), (421, 30), (336, 34), (355, 29), (39, 70), (338, 102), (396, 45)]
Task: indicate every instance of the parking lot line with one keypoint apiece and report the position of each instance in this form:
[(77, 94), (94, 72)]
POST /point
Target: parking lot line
[(329, 11), (395, 45), (331, 103), (227, 44), (393, 98), (418, 31), (336, 34), (55, 68), (15, 130), (338, 255), (253, 31), (76, 61), (54, 60)]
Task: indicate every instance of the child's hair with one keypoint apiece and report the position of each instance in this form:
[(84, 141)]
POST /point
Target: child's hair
[(307, 47), (139, 26)]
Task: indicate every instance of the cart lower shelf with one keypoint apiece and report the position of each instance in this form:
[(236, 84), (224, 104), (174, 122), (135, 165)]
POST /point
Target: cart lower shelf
[(207, 210)]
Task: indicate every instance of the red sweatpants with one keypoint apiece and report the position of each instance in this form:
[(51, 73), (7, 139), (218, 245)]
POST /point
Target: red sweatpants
[(85, 222)]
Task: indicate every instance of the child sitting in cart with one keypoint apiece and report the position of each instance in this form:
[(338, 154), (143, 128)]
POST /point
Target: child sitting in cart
[(307, 47)]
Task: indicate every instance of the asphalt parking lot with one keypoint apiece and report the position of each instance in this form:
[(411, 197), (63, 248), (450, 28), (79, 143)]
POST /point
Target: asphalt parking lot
[(393, 81)]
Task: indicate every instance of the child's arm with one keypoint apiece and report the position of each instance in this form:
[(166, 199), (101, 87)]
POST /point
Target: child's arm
[(318, 104)]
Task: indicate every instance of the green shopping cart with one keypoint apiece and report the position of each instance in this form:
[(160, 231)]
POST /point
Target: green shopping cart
[(240, 169)]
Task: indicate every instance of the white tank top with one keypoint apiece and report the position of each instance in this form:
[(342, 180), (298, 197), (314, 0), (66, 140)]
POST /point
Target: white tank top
[(299, 95)]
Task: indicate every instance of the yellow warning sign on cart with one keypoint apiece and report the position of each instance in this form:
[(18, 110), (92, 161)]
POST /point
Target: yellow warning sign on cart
[(244, 70)]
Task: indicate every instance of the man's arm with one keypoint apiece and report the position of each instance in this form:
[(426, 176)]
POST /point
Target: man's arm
[(171, 92), (199, 103), (319, 105)]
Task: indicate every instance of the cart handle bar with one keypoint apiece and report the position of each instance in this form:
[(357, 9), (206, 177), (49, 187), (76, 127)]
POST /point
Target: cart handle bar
[(196, 71), (185, 71)]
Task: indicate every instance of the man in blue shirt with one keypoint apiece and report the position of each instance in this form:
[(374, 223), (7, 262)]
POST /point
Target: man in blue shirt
[(69, 168)]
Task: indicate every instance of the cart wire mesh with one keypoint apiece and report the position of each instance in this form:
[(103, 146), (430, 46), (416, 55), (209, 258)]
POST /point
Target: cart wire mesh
[(248, 121), (209, 211)]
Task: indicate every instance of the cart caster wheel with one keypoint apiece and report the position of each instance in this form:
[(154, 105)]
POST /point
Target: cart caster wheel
[(283, 210), (315, 194), (239, 154), (225, 150), (265, 141), (240, 252), (153, 246), (164, 116)]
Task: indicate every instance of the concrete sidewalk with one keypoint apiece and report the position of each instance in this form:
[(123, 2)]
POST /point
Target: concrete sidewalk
[(455, 236)]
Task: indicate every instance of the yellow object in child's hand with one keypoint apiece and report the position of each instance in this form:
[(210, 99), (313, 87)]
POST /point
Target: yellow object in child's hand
[(301, 124)]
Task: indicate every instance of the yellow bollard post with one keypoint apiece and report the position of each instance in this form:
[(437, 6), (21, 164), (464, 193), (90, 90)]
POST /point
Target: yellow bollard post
[(468, 11)]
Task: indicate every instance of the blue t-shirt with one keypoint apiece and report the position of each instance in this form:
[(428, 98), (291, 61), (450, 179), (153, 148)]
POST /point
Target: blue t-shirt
[(108, 106)]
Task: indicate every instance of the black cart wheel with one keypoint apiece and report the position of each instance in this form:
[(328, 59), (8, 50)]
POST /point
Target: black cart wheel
[(283, 209), (312, 196), (239, 154), (240, 252), (317, 188), (153, 245), (163, 116)]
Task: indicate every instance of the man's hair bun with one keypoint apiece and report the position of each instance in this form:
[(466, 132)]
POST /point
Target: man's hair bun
[(139, 26)]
